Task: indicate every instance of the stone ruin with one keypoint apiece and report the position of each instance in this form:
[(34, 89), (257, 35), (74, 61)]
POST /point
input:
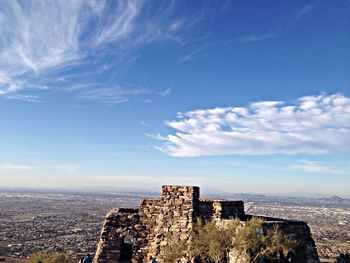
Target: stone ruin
[(133, 235)]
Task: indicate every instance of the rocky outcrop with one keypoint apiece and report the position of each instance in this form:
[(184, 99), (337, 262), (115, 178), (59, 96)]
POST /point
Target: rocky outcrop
[(133, 235)]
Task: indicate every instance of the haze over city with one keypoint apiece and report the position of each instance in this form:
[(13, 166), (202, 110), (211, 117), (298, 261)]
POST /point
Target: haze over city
[(233, 96)]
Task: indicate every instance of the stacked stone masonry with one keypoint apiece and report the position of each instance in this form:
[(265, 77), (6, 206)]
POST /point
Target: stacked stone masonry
[(134, 235)]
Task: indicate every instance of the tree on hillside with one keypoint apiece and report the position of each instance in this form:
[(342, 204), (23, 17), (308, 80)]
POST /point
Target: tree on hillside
[(211, 242), (45, 257)]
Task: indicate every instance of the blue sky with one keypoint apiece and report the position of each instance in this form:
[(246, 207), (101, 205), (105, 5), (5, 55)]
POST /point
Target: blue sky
[(233, 96)]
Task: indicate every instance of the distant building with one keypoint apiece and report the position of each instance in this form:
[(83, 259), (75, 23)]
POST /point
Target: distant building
[(133, 235)]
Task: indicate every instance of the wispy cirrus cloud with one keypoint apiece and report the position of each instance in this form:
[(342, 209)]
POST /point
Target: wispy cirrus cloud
[(113, 95), (165, 92), (320, 168), (36, 37), (8, 167), (277, 31), (255, 37), (27, 98), (313, 125), (192, 55), (305, 10), (120, 22), (43, 42)]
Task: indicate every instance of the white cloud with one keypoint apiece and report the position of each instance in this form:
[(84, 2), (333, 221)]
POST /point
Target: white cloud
[(43, 42), (27, 98), (192, 55), (255, 37), (272, 34), (120, 24), (317, 167), (7, 167), (165, 92), (305, 10), (313, 125), (36, 36), (111, 95)]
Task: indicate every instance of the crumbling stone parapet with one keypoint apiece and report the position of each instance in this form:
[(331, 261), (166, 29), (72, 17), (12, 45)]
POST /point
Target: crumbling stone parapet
[(133, 235)]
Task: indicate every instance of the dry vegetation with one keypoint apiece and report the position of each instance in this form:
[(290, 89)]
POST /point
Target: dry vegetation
[(213, 243)]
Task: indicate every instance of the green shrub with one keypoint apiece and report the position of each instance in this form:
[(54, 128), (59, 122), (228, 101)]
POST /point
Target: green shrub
[(176, 251), (252, 243), (212, 243), (45, 257)]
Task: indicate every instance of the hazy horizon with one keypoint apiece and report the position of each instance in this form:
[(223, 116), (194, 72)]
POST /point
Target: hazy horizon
[(155, 189)]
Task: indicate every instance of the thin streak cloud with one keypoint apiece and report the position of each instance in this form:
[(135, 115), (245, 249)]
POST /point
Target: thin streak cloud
[(305, 10), (192, 55), (320, 168), (254, 38), (27, 98)]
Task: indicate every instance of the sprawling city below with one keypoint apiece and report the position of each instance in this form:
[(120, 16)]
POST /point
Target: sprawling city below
[(71, 222)]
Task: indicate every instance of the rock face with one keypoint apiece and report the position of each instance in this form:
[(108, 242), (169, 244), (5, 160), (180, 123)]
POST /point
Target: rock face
[(133, 235)]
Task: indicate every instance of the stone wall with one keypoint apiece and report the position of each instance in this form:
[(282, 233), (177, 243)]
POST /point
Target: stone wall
[(137, 234), (175, 217), (118, 226), (208, 209), (149, 216)]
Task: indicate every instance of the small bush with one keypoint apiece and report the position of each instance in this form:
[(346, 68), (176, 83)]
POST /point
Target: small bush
[(175, 251), (213, 243), (45, 257)]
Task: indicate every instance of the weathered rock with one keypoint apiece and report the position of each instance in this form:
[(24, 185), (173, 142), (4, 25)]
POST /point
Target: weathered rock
[(137, 234)]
